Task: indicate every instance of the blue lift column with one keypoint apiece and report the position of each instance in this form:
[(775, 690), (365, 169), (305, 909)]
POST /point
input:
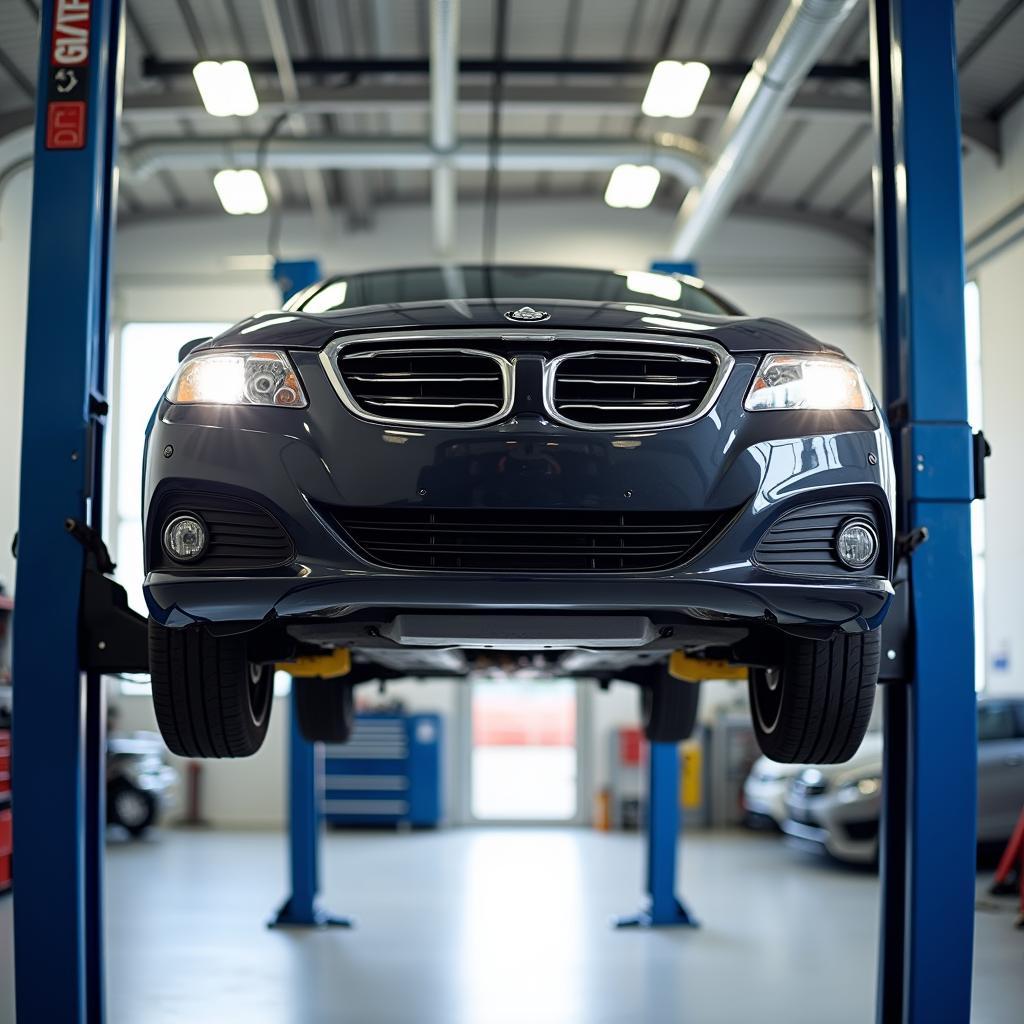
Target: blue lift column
[(58, 740), (662, 907), (301, 909), (928, 831)]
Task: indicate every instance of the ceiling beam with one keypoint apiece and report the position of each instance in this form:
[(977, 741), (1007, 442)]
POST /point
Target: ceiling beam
[(522, 98), (154, 67), (411, 153)]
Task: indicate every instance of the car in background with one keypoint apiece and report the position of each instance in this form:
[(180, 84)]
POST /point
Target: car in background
[(767, 786), (764, 792), (140, 783), (838, 808), (415, 470)]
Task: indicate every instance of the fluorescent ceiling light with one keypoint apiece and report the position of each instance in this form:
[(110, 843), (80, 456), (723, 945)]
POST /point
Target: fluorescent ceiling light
[(632, 186), (675, 89), (240, 191), (226, 88)]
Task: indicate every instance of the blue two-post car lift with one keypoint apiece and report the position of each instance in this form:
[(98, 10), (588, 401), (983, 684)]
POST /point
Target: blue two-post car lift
[(71, 625)]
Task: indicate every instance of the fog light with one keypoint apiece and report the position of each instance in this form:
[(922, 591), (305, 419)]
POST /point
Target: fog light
[(856, 545), (185, 538)]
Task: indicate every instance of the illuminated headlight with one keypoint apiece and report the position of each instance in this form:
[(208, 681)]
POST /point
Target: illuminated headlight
[(858, 789), (807, 382), (237, 378)]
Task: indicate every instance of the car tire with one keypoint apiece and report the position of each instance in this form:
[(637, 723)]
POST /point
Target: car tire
[(130, 807), (210, 700), (815, 706), (668, 707), (326, 709)]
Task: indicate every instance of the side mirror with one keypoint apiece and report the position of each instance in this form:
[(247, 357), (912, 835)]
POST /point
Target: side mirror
[(189, 346)]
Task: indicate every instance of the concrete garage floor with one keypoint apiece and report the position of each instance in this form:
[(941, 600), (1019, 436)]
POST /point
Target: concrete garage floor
[(494, 926)]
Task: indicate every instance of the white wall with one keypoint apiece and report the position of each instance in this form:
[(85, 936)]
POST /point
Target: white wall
[(15, 208), (991, 190)]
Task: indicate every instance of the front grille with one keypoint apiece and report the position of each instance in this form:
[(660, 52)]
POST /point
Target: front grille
[(803, 541), (425, 386), (242, 535), (526, 540), (862, 831), (804, 788), (628, 389)]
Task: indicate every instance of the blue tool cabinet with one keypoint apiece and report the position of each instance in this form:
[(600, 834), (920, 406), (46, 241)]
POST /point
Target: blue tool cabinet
[(389, 772)]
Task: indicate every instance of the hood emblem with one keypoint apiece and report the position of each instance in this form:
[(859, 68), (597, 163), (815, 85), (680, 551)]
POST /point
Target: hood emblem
[(527, 314)]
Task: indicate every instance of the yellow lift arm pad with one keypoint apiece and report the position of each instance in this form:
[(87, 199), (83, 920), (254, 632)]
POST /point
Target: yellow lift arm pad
[(324, 666), (693, 670)]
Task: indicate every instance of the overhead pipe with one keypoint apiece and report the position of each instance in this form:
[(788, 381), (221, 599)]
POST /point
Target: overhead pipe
[(316, 188), (803, 35), (444, 88), (570, 155)]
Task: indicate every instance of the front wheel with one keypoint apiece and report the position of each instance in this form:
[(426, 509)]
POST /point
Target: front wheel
[(210, 700), (814, 707), (130, 807)]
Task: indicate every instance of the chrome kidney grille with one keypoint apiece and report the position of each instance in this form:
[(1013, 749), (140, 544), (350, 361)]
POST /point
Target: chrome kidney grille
[(460, 387), (590, 383), (614, 389)]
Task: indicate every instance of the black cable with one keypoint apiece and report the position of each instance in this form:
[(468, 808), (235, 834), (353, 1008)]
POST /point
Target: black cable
[(277, 202), (490, 234)]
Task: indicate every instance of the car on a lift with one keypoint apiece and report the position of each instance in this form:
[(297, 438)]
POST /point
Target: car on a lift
[(837, 808), (428, 471)]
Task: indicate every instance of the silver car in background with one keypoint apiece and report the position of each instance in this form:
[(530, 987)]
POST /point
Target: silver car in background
[(838, 807)]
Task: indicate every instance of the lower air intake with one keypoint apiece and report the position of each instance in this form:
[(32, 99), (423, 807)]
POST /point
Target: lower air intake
[(803, 541), (526, 540), (242, 535)]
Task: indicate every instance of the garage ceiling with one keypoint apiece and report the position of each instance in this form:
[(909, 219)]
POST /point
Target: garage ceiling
[(818, 168)]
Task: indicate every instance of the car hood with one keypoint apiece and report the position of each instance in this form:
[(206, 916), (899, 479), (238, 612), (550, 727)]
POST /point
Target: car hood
[(313, 330)]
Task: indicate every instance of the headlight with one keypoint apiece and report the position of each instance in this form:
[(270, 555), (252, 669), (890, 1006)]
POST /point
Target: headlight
[(237, 378), (868, 786), (807, 382)]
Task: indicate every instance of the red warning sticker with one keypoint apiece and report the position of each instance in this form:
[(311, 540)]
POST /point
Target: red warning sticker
[(65, 125)]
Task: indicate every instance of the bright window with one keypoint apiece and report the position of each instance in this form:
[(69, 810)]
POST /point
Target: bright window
[(524, 755), (148, 359), (972, 321)]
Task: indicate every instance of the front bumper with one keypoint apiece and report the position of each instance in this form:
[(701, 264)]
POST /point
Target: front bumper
[(295, 463), (848, 830)]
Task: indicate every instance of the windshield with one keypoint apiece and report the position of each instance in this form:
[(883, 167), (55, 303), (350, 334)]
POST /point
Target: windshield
[(426, 284)]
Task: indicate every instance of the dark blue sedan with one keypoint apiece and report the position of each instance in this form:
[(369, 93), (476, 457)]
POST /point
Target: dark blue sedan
[(606, 475)]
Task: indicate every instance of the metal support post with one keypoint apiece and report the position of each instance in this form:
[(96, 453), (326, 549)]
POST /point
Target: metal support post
[(662, 907), (928, 819), (302, 909), (59, 741)]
